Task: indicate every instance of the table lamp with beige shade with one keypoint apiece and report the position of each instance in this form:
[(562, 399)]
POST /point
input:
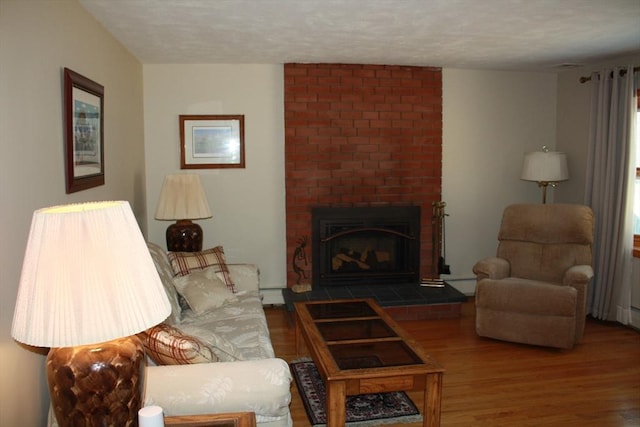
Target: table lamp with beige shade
[(182, 199)]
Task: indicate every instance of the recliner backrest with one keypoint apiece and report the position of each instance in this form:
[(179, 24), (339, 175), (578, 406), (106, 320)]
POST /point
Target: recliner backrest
[(541, 241)]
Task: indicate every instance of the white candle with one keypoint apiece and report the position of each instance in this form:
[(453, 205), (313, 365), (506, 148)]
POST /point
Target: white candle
[(150, 416)]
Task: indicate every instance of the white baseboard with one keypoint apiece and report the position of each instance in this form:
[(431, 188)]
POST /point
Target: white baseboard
[(466, 286), (635, 317), (272, 296)]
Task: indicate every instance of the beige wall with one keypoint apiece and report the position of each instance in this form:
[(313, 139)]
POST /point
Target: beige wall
[(490, 120), (37, 39), (247, 204)]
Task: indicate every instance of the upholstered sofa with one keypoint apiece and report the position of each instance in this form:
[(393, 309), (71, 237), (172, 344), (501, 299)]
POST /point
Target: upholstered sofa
[(213, 354)]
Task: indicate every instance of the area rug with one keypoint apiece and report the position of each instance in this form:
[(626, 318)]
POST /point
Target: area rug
[(362, 410)]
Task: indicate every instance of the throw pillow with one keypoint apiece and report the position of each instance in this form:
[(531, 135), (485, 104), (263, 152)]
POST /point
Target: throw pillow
[(184, 263), (203, 290), (166, 277), (167, 345)]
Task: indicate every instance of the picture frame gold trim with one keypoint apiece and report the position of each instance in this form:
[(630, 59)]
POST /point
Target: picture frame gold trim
[(211, 141)]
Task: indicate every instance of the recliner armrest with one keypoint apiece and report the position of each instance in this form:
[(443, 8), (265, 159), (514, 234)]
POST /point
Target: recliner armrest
[(578, 274), (578, 277), (492, 268)]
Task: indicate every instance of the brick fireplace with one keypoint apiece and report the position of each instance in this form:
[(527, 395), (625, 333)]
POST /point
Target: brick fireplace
[(359, 136)]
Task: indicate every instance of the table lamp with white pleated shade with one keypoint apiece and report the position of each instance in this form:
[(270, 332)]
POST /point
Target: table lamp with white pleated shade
[(88, 285)]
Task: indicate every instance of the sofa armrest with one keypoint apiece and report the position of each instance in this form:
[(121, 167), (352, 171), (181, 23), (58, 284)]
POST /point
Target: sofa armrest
[(246, 277), (492, 268), (261, 386)]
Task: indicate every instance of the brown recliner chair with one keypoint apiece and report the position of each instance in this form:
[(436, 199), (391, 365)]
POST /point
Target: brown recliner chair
[(535, 290)]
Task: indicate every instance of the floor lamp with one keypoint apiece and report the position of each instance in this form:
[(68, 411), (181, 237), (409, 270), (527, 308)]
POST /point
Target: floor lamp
[(545, 167), (88, 285)]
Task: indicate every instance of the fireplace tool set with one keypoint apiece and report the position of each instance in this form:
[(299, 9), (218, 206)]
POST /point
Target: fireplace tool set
[(438, 263)]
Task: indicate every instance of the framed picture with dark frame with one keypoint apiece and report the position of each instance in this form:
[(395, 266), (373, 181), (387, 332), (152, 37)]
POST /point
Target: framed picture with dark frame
[(211, 141), (84, 132)]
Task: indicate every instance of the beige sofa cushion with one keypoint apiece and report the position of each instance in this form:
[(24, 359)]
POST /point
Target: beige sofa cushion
[(203, 290)]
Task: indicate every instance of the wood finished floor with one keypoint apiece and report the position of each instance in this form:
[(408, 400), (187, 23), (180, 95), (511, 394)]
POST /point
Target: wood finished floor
[(498, 384)]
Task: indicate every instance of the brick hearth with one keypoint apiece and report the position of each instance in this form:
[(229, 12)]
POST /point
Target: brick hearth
[(402, 302)]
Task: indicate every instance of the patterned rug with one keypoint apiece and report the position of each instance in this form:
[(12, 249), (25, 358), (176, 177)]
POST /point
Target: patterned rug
[(362, 410)]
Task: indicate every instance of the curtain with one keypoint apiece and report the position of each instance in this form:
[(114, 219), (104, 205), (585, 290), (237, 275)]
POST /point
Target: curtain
[(609, 191)]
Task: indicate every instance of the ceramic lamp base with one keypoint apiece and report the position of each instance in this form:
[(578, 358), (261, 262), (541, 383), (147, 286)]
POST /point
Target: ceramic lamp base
[(97, 385), (184, 236)]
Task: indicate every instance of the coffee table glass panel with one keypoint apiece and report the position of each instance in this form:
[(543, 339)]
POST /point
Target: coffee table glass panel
[(373, 355), (341, 330)]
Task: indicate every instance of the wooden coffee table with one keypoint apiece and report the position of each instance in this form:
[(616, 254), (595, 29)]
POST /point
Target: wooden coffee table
[(359, 349), (235, 419)]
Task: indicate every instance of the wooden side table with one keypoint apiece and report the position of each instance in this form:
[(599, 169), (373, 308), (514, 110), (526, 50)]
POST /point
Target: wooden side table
[(231, 419)]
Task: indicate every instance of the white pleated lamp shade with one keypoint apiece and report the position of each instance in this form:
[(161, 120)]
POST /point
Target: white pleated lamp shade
[(87, 278), (182, 197), (545, 166)]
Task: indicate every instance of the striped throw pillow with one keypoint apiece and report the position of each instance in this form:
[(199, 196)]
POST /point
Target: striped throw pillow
[(184, 263), (167, 345)]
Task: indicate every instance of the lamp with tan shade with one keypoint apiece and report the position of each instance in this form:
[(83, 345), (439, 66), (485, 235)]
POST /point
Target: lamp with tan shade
[(182, 199)]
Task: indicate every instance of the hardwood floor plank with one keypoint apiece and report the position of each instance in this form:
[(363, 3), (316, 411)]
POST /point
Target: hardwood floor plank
[(499, 384)]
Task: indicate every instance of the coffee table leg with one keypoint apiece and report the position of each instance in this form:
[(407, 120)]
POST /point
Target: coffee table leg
[(432, 400), (336, 403)]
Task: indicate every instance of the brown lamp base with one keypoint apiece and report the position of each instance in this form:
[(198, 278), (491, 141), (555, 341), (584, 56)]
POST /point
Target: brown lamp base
[(97, 385), (184, 236)]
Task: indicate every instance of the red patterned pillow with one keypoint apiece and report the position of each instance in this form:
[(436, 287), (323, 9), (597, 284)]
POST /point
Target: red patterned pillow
[(166, 345), (184, 263)]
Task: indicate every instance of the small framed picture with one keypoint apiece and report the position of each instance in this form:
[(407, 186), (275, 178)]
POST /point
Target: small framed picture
[(209, 142), (84, 132)]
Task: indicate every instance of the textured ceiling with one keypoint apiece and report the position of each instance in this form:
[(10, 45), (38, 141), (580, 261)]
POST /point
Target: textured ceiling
[(486, 34)]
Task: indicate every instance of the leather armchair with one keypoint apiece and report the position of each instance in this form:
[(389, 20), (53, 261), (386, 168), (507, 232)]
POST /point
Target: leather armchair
[(534, 290)]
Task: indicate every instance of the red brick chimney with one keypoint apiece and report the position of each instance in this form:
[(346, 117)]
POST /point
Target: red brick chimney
[(360, 135)]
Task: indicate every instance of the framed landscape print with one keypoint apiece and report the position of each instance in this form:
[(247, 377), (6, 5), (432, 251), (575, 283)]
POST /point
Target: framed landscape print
[(208, 142), (84, 132)]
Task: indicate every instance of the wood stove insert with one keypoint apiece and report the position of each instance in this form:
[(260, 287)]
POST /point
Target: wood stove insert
[(365, 245)]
